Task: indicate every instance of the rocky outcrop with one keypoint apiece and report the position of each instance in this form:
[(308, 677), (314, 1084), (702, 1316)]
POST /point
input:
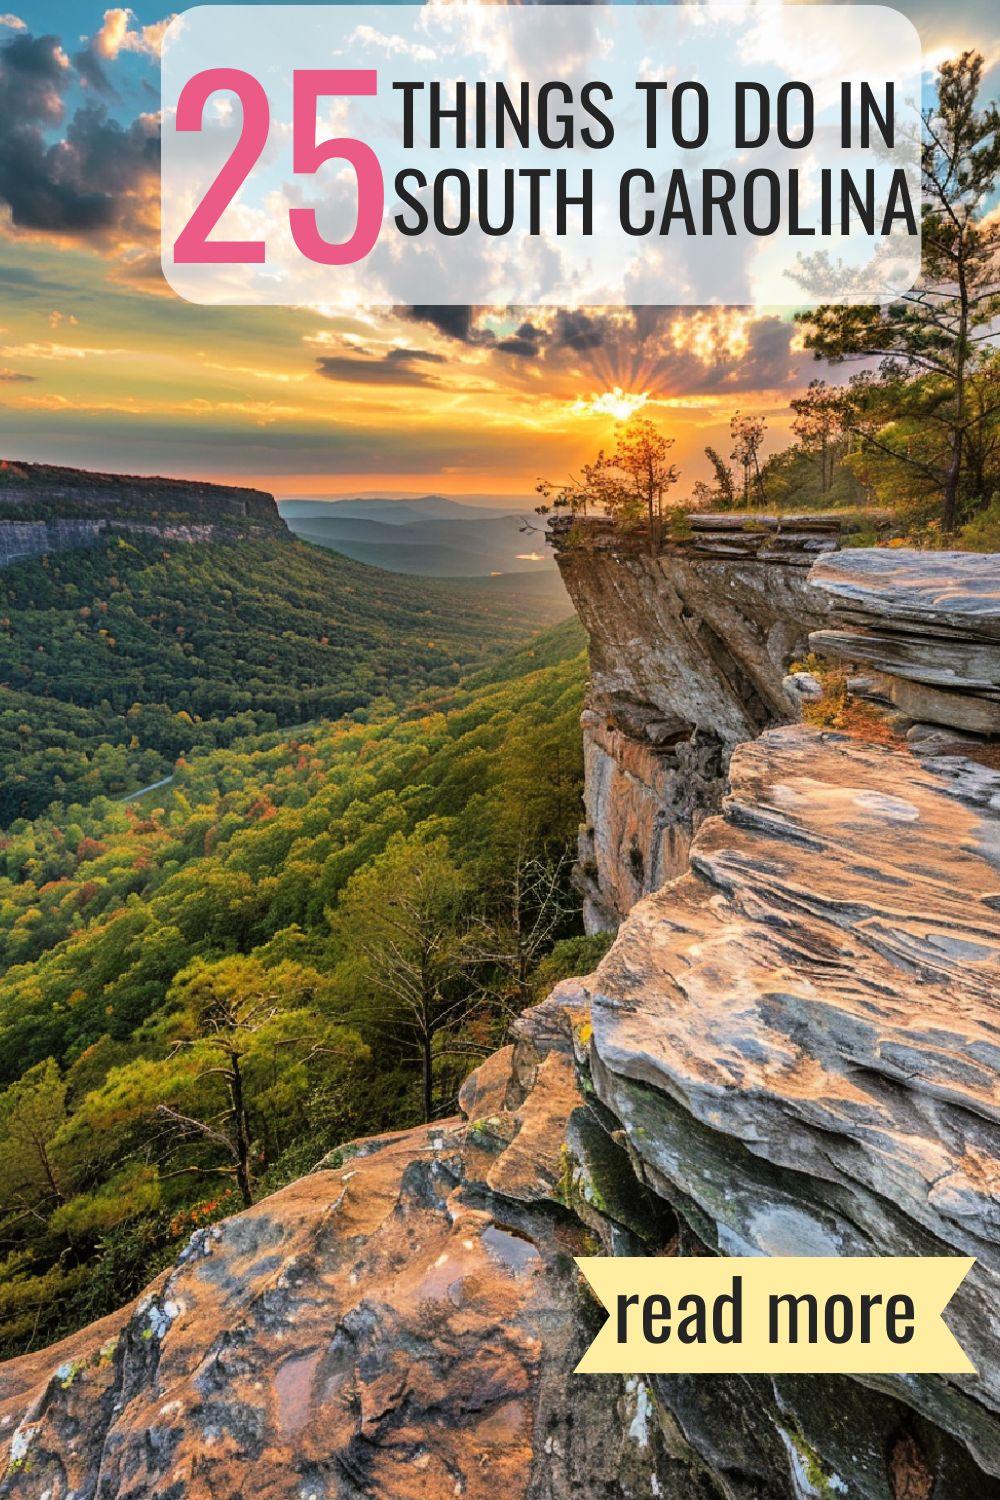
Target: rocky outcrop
[(689, 644), (46, 509), (927, 623), (21, 539), (792, 1048), (800, 1037), (402, 1323)]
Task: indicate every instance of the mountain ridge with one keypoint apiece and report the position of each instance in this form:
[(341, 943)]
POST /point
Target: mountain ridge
[(47, 508), (117, 657), (438, 539), (393, 512)]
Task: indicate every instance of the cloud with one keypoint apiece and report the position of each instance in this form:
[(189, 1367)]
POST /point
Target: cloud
[(764, 359), (57, 351), (89, 64), (92, 74), (524, 343), (109, 40), (666, 354), (13, 23), (119, 33), (562, 328), (391, 46), (261, 413), (33, 78), (14, 377), (580, 330), (23, 281), (617, 403), (395, 367), (453, 322), (99, 182)]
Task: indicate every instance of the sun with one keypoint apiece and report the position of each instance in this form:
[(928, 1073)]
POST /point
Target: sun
[(616, 403)]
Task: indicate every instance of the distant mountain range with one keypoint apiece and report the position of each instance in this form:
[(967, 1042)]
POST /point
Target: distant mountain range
[(432, 535), (501, 504), (398, 512)]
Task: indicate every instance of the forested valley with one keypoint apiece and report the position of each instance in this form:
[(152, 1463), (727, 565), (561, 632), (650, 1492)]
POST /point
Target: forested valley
[(116, 660), (307, 934)]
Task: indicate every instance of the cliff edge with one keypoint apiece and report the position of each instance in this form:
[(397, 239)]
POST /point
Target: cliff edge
[(689, 646), (791, 1048), (45, 508)]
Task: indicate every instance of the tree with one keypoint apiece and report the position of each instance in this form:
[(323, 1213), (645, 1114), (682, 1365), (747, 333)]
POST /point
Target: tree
[(724, 488), (399, 926), (630, 484), (817, 422), (578, 495), (236, 1028), (519, 926), (158, 955), (982, 431), (934, 342), (642, 461), (748, 434), (32, 1112)]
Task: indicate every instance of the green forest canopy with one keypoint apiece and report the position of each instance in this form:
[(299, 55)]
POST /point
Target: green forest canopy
[(115, 661), (232, 930)]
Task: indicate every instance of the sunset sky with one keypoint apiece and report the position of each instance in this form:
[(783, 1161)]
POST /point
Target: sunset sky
[(101, 366)]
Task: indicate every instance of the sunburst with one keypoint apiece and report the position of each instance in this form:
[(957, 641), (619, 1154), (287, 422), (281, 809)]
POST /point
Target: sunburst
[(617, 403)]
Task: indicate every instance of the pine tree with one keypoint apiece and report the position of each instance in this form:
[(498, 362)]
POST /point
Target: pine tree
[(934, 342)]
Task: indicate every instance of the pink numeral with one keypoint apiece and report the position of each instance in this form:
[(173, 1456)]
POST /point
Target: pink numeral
[(193, 246), (308, 155)]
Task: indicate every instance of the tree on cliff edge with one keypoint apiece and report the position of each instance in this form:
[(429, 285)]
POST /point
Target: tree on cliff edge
[(935, 394), (630, 484), (817, 425), (747, 434)]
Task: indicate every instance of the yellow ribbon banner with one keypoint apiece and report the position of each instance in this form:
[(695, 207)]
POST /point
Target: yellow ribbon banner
[(760, 1315)]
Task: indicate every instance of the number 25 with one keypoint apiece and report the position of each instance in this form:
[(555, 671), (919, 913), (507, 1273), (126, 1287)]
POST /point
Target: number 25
[(193, 247)]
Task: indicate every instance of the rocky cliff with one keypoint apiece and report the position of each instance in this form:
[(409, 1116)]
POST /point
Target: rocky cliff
[(927, 627), (403, 1323), (689, 645), (44, 508), (792, 1048)]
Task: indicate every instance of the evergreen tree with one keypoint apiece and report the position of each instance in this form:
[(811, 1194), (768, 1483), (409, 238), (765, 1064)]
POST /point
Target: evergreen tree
[(934, 342), (400, 926)]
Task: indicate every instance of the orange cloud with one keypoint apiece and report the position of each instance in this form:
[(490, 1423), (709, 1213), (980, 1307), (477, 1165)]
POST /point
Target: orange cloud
[(118, 34)]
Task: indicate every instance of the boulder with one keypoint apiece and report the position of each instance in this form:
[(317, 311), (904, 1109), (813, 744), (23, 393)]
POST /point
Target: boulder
[(928, 621)]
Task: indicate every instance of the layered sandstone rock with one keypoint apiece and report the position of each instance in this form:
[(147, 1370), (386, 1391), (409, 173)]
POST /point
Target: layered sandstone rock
[(791, 1049), (403, 1323), (800, 1039), (689, 645), (927, 622)]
